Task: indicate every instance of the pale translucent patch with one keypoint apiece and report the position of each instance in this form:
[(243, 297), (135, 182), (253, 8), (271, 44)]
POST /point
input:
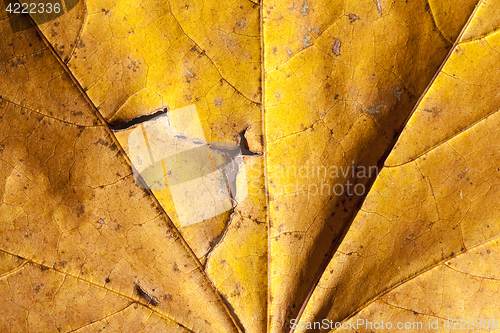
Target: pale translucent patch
[(170, 151)]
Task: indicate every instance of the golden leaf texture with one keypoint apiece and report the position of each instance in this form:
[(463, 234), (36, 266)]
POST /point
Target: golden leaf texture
[(244, 166)]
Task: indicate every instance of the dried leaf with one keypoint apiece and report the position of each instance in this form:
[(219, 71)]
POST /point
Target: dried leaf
[(134, 196)]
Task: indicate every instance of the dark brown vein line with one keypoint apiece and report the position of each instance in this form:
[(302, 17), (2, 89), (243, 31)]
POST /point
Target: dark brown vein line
[(139, 179)]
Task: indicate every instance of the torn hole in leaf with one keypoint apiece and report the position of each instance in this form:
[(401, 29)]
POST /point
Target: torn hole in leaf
[(143, 293), (168, 150)]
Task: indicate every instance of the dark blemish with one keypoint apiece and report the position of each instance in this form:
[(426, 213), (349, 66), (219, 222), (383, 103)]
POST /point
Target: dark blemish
[(193, 48), (56, 24), (151, 299), (427, 6), (462, 174), (432, 110), (353, 17), (16, 63), (113, 147), (118, 227), (176, 268), (336, 46), (305, 8), (63, 263), (397, 93), (336, 96), (105, 11), (102, 142), (81, 210), (107, 280)]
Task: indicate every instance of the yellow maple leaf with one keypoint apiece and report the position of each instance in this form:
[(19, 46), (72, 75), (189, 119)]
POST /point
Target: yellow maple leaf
[(226, 166)]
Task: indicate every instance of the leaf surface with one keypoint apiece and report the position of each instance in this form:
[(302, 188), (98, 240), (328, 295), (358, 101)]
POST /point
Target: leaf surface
[(77, 234), (404, 90)]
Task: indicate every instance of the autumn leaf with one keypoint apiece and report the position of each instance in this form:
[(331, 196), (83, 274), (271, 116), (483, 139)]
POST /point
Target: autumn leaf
[(352, 149)]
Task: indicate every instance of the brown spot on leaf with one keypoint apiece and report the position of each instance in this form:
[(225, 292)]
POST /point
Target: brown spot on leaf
[(336, 46), (353, 17)]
